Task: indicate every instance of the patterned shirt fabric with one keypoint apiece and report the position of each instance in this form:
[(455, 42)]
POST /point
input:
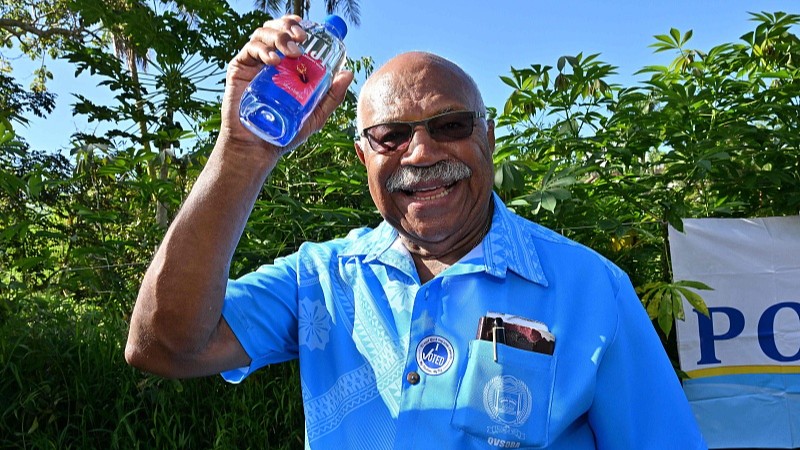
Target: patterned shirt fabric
[(389, 363)]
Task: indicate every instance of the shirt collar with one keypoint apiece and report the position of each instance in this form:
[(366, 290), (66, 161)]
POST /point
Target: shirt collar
[(509, 245), (372, 244)]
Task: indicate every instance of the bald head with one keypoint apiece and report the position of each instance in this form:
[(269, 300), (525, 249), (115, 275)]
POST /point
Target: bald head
[(410, 77)]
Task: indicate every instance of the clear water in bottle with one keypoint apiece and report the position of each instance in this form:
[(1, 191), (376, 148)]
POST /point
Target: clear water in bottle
[(280, 98)]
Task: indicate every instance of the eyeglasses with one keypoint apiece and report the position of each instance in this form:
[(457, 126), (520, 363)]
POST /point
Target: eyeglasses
[(447, 127)]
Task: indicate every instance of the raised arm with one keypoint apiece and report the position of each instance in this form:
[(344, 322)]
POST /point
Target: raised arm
[(177, 329)]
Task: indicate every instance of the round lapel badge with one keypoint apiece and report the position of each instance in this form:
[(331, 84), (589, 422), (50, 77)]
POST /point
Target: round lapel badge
[(435, 355)]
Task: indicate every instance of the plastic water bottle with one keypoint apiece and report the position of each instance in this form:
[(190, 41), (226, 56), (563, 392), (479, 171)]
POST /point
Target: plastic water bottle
[(280, 98)]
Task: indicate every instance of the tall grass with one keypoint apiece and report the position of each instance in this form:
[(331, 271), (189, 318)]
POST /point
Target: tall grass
[(64, 384)]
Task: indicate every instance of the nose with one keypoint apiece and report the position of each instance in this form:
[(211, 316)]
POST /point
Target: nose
[(422, 149)]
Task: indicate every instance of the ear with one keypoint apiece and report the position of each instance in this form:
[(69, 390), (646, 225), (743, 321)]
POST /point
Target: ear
[(359, 152)]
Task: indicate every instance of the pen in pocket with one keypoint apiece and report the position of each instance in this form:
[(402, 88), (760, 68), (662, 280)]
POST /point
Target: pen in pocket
[(498, 335)]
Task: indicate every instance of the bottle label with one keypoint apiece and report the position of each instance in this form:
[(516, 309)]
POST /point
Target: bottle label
[(299, 77)]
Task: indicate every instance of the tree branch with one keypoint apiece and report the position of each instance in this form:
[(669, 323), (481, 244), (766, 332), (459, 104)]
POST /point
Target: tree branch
[(13, 25)]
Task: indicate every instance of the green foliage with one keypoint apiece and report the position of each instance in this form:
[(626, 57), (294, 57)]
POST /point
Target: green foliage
[(349, 8), (16, 102), (64, 385), (663, 301), (714, 134), (82, 230), (161, 61)]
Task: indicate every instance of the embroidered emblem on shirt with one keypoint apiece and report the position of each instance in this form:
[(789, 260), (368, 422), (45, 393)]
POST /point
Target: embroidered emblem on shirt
[(435, 355), (314, 325), (508, 402)]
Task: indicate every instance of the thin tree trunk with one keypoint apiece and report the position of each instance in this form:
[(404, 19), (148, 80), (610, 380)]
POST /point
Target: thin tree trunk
[(162, 216), (298, 7), (131, 57)]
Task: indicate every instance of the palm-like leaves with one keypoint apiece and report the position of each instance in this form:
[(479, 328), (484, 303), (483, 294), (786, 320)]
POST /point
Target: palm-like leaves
[(349, 8)]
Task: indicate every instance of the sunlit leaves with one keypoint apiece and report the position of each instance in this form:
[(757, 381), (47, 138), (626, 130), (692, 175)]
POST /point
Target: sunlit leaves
[(664, 304), (38, 28), (6, 131), (672, 41)]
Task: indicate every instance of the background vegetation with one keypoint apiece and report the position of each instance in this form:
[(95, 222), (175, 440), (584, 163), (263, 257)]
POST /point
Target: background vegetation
[(714, 134)]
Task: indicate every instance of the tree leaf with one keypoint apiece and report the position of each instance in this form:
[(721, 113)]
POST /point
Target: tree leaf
[(665, 39), (549, 201), (676, 36), (677, 305), (686, 37), (655, 304), (694, 284), (509, 82), (695, 300), (665, 312)]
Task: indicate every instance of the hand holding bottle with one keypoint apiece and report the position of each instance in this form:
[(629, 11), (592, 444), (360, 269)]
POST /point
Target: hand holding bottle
[(276, 37)]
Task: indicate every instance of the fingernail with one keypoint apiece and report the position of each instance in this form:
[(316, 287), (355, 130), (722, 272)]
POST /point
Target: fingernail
[(297, 30), (293, 47)]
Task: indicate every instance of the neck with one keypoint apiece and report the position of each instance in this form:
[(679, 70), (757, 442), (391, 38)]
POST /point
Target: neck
[(429, 264)]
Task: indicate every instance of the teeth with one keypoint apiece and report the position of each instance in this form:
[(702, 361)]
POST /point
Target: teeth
[(445, 192)]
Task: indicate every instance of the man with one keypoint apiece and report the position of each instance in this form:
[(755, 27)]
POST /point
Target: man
[(385, 322)]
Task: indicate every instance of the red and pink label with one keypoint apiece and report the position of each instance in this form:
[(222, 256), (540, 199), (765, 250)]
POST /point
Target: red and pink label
[(299, 77)]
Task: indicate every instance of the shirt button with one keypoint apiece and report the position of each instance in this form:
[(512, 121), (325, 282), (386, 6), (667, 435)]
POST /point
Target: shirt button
[(412, 377)]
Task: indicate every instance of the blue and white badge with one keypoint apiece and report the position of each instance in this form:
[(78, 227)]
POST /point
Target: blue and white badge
[(435, 355)]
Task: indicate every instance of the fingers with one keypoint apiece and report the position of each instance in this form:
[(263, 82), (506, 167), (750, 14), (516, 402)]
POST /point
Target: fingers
[(280, 35), (257, 53)]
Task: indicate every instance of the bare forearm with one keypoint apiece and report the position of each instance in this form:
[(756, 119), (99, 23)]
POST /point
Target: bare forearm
[(177, 329), (180, 302)]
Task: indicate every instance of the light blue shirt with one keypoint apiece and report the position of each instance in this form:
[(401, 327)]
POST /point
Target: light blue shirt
[(353, 310)]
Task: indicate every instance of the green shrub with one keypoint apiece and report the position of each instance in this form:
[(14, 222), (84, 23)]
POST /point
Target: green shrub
[(64, 384)]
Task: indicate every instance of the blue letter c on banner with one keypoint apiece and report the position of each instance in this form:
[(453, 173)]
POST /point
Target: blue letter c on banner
[(766, 332)]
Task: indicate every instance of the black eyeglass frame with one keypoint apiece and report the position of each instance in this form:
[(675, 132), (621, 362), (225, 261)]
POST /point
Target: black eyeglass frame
[(475, 114)]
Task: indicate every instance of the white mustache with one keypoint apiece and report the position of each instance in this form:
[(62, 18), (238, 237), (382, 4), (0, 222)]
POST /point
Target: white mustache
[(447, 172)]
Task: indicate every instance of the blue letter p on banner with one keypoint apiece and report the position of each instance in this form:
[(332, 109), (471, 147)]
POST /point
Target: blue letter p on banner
[(705, 328)]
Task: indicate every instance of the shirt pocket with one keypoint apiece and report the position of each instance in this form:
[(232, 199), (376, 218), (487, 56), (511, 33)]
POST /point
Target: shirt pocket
[(505, 403)]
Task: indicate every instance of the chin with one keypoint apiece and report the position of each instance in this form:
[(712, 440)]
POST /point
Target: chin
[(429, 234)]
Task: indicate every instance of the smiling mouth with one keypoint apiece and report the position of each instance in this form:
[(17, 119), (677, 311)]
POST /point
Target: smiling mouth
[(431, 193)]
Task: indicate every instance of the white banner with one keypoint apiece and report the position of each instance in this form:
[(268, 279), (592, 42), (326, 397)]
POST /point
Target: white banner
[(744, 359)]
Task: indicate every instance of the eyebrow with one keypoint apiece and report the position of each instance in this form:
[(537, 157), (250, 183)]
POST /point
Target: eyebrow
[(446, 110)]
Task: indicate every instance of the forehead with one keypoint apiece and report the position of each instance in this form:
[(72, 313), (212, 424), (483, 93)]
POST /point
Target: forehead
[(414, 91)]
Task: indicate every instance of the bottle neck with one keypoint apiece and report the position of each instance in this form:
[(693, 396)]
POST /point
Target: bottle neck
[(322, 45)]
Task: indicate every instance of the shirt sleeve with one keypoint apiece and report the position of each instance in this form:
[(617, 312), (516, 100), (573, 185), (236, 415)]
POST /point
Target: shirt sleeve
[(639, 402), (261, 309)]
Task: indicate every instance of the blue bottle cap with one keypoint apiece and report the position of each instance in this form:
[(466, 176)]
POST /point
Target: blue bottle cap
[(336, 25)]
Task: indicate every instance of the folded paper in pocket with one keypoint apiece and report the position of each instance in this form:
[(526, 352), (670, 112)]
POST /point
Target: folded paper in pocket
[(521, 333)]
